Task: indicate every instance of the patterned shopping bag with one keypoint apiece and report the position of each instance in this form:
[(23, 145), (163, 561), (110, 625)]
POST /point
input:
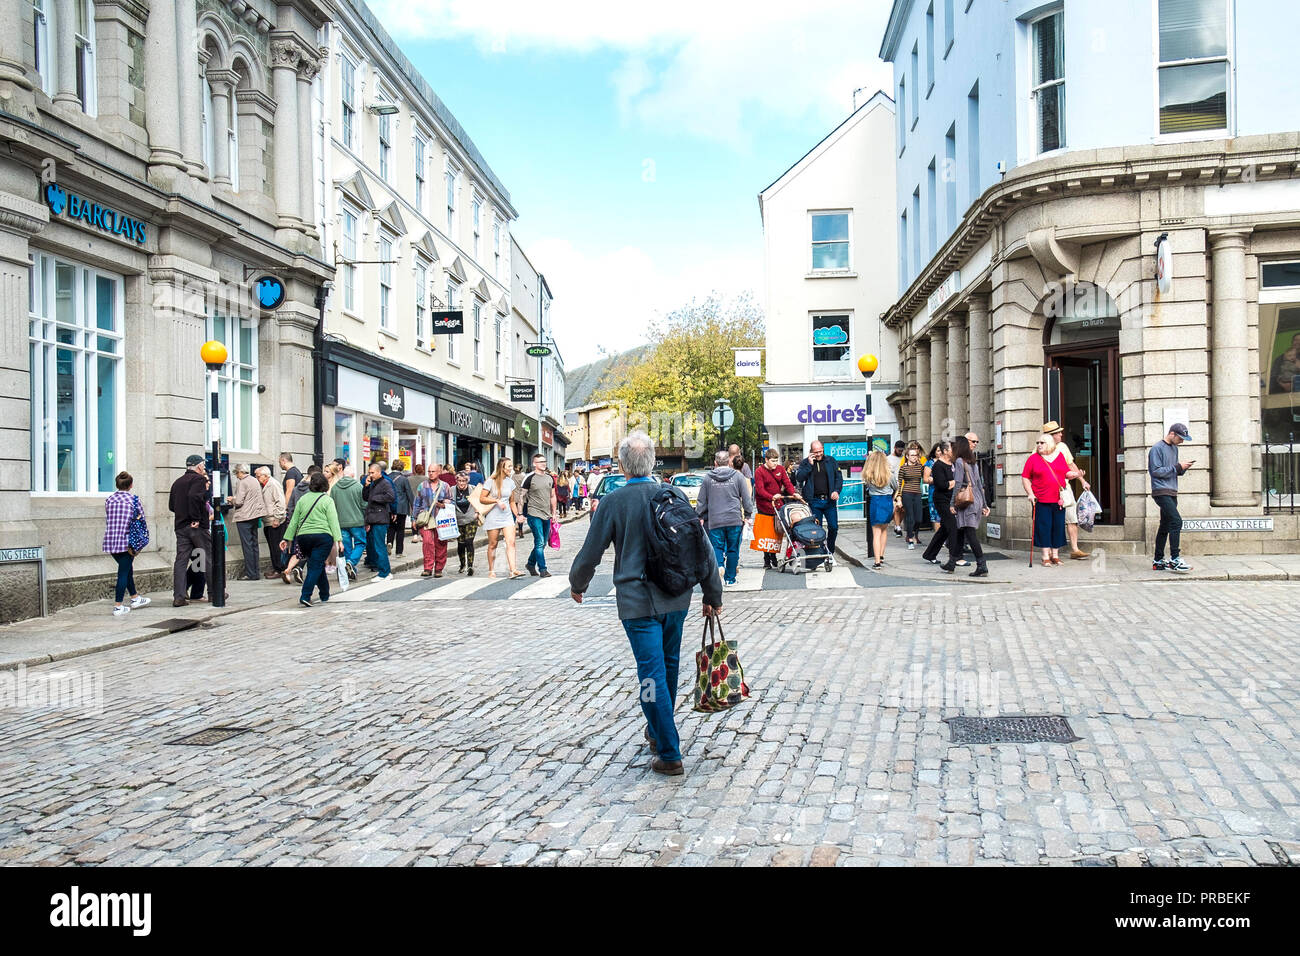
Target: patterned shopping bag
[(719, 681)]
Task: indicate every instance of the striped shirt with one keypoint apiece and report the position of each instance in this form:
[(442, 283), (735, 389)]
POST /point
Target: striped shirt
[(912, 477)]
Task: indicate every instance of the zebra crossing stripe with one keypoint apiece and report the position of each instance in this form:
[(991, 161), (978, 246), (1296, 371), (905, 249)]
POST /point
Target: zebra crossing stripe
[(749, 579), (555, 586), (839, 577), (364, 592), (457, 589)]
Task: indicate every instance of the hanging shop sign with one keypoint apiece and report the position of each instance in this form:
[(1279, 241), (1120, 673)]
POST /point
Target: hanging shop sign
[(392, 399), (749, 363), (448, 323), (539, 351), (523, 393), (68, 205), (268, 293), (526, 428), (548, 435)]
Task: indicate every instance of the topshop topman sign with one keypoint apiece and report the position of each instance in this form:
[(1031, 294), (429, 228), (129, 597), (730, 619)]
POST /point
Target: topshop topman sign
[(71, 206), (523, 393)]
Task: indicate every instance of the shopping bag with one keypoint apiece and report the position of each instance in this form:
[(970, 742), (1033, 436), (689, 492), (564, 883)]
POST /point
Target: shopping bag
[(555, 535), (341, 575), (747, 532), (1088, 508), (765, 536), (446, 520), (719, 680)]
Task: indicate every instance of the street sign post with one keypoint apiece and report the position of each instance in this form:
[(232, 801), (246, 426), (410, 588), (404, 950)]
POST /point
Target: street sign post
[(723, 418)]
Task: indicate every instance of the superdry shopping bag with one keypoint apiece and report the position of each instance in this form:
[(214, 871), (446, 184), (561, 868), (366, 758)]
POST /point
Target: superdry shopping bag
[(447, 527), (765, 537), (719, 680)]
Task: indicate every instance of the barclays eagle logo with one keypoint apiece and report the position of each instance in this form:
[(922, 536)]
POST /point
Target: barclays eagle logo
[(56, 197)]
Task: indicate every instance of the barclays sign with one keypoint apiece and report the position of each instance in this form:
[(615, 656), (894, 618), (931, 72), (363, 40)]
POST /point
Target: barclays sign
[(69, 205)]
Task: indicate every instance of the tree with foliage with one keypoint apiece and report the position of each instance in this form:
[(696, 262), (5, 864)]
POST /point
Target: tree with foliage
[(690, 365)]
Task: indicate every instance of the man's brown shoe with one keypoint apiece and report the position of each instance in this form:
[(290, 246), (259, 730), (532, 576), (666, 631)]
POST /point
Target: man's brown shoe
[(179, 602), (669, 768), (651, 743), (1077, 555)]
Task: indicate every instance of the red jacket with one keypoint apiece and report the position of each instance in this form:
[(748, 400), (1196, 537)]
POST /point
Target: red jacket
[(768, 483)]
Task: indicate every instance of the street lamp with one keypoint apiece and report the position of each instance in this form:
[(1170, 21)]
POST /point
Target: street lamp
[(214, 356), (867, 365)]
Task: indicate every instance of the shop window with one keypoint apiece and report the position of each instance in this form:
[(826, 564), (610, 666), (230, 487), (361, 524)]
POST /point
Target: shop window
[(1279, 352), (1194, 65), (76, 347), (345, 425), (832, 345), (237, 380)]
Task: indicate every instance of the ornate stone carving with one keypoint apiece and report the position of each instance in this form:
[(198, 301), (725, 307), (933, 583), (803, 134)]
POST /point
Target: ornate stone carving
[(285, 53), (22, 215), (309, 66)]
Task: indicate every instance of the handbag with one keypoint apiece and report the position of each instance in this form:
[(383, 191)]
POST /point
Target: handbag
[(448, 528), (720, 681), (965, 496), (137, 529), (341, 573), (555, 535), (1067, 495)]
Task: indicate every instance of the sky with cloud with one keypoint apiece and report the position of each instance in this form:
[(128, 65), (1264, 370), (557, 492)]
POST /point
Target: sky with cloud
[(635, 138)]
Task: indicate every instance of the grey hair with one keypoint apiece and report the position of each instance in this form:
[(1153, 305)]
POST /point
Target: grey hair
[(241, 468), (262, 470), (722, 458), (636, 455)]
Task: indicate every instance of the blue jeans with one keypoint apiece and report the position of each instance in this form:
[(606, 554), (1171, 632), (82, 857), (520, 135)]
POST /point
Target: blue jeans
[(657, 646), (354, 542), (317, 549), (541, 529), (827, 514), (377, 544), (726, 547), (125, 576)]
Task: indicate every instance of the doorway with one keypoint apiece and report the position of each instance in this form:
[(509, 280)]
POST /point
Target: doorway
[(1082, 392)]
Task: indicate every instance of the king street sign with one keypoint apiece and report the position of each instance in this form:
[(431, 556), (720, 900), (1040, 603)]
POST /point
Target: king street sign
[(539, 351), (523, 393)]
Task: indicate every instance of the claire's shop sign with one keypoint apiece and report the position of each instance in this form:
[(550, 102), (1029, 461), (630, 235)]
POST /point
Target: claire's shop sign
[(829, 414), (69, 205)]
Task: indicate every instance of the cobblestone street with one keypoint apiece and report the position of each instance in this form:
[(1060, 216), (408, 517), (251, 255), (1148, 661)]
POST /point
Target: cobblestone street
[(507, 731)]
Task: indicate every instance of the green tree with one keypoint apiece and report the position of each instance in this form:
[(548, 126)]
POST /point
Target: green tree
[(688, 366)]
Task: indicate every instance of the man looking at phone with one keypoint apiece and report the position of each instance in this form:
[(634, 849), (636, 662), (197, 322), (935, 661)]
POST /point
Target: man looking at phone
[(820, 482), (1164, 469)]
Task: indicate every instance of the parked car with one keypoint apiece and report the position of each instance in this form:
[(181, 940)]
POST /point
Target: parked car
[(689, 482)]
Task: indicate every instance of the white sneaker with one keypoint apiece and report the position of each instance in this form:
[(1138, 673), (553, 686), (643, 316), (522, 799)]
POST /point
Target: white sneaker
[(120, 611), (911, 546), (140, 601)]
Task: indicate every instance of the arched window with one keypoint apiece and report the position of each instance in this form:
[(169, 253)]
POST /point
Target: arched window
[(1079, 312)]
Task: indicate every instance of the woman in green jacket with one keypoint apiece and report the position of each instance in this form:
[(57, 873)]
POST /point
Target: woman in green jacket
[(315, 523)]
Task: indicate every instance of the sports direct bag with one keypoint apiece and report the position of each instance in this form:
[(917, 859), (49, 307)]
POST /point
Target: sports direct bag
[(448, 528), (1089, 507), (719, 679), (676, 542)]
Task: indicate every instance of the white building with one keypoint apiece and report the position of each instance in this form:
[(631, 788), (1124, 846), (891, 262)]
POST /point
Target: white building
[(414, 221), (830, 270)]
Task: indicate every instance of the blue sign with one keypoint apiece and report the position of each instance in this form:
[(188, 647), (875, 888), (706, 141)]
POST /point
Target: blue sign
[(268, 291), (71, 206), (846, 451)]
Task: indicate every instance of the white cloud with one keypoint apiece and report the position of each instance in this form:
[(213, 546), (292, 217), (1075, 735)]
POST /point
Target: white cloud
[(702, 68), (608, 299)]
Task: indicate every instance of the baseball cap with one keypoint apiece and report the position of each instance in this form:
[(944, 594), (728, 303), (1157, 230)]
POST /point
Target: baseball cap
[(1180, 430), (193, 460)]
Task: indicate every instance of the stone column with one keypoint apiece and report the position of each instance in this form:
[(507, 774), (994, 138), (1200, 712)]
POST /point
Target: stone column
[(308, 67), (187, 88), (284, 87), (1230, 417), (12, 68), (921, 417), (162, 115), (981, 369), (939, 423), (958, 376), (222, 83), (65, 55)]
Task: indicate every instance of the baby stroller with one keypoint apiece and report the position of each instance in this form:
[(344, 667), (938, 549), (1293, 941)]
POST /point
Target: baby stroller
[(804, 546)]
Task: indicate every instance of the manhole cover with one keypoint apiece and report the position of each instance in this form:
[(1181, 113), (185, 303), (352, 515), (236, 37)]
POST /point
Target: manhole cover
[(1010, 730), (174, 624), (208, 737)]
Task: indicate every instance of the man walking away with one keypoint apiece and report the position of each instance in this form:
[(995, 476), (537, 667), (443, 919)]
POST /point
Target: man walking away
[(249, 509), (725, 504), (734, 452), (651, 618), (189, 502), (348, 502), (1164, 468), (273, 526), (292, 478), (540, 508), (402, 498), (378, 494), (820, 482)]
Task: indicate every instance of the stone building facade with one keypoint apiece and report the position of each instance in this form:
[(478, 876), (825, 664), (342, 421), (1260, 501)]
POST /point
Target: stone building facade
[(150, 170)]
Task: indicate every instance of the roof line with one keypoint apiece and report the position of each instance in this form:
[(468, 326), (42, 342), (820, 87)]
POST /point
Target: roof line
[(878, 93)]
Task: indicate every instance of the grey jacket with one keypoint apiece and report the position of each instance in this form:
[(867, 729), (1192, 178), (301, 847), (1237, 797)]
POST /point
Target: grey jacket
[(973, 514), (402, 489), (621, 519), (725, 500), (1164, 469)]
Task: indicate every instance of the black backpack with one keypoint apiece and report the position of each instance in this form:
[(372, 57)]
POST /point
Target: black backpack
[(677, 547)]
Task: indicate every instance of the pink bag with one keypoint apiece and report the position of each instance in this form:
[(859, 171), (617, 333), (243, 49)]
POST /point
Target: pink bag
[(555, 535)]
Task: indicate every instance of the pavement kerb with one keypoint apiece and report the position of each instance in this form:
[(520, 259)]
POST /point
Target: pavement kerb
[(153, 634)]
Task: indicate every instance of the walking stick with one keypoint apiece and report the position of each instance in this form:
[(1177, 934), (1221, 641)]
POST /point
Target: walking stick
[(1032, 523)]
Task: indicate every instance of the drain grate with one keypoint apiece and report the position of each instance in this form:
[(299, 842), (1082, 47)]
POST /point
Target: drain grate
[(174, 624), (208, 737), (1010, 730)]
